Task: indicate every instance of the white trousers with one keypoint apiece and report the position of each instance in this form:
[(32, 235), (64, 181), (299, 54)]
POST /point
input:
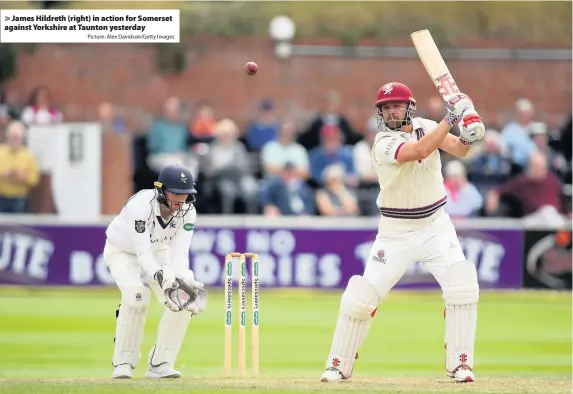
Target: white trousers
[(135, 297), (436, 246), (127, 272)]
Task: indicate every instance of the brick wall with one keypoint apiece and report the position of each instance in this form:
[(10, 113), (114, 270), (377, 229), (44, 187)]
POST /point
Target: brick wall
[(81, 76)]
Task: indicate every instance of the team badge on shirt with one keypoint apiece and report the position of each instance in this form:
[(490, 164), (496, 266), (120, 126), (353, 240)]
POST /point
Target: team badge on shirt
[(379, 257), (140, 226)]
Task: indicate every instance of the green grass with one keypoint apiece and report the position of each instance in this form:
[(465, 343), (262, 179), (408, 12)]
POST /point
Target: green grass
[(61, 341)]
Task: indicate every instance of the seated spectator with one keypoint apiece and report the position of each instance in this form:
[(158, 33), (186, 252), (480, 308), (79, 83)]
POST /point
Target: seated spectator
[(435, 109), (565, 144), (555, 161), (532, 190), (287, 194), (515, 135), (335, 198), (368, 188), (330, 116), (202, 127), (464, 200), (275, 154), (40, 110), (263, 129), (331, 151), (491, 167), (361, 153), (167, 140), (8, 109), (108, 119), (228, 167), (4, 114), (18, 171)]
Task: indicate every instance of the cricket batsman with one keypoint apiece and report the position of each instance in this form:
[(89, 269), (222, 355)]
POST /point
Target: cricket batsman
[(147, 247), (413, 227)]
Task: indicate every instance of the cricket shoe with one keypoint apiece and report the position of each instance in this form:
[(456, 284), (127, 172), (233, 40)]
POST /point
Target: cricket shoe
[(122, 371), (163, 371), (463, 374), (331, 375)]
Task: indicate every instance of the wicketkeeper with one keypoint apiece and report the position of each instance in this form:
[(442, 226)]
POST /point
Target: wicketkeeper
[(147, 247)]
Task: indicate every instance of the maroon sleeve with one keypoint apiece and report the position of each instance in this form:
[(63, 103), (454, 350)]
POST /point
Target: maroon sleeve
[(511, 186), (398, 150)]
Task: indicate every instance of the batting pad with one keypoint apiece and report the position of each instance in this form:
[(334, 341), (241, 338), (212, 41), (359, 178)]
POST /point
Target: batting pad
[(460, 284), (461, 294), (357, 307), (170, 335), (460, 335), (130, 325)]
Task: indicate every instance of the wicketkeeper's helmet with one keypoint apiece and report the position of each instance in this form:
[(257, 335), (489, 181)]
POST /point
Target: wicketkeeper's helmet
[(176, 179)]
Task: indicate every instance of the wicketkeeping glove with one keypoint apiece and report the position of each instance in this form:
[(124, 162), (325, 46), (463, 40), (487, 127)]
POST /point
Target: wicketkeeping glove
[(197, 295), (168, 284)]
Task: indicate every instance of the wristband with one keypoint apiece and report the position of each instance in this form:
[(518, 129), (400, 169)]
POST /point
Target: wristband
[(465, 142)]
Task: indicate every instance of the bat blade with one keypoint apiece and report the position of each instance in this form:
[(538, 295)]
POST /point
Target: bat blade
[(434, 63)]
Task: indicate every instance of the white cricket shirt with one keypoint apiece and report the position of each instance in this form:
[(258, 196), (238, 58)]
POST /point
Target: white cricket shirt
[(412, 195), (140, 230)]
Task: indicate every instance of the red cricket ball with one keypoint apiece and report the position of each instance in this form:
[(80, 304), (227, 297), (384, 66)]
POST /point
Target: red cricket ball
[(252, 68)]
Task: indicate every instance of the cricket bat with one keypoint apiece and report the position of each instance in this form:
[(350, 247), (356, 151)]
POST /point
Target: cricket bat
[(434, 63)]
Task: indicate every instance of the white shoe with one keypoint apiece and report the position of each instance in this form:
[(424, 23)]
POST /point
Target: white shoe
[(464, 374), (331, 375), (122, 371), (164, 371)]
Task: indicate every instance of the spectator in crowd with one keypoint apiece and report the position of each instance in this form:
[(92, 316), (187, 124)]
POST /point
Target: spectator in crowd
[(4, 112), (330, 116), (368, 187), (515, 135), (566, 144), (167, 140), (202, 127), (18, 171), (492, 166), (287, 194), (464, 200), (435, 109), (109, 120), (228, 167), (331, 151), (335, 198), (40, 110), (528, 192), (555, 160), (264, 128), (8, 110), (275, 154)]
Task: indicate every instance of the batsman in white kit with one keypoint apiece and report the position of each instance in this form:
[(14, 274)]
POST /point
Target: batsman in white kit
[(147, 248), (413, 227)]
